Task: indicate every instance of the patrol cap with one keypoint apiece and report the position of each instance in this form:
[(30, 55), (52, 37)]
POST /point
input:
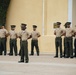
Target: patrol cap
[(34, 26), (58, 23), (65, 24), (13, 26), (68, 23), (23, 24)]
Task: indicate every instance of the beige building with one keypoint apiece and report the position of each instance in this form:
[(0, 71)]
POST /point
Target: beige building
[(43, 13)]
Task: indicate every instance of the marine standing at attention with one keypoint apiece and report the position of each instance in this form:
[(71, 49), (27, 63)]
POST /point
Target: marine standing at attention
[(34, 42), (24, 35), (58, 40)]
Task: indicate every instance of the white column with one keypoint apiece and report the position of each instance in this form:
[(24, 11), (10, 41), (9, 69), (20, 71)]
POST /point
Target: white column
[(70, 10), (43, 12), (74, 14)]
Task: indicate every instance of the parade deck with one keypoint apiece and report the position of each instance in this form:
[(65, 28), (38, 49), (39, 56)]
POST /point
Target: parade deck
[(45, 64)]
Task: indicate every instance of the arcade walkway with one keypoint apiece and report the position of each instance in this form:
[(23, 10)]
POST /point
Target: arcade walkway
[(44, 64)]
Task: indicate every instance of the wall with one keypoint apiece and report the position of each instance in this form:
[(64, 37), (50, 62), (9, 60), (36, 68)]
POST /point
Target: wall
[(31, 12), (74, 13)]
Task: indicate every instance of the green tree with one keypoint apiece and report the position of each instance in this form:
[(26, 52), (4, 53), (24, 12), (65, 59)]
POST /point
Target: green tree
[(3, 10)]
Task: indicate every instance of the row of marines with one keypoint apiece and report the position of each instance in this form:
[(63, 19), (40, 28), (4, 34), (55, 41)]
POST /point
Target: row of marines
[(68, 34), (24, 35)]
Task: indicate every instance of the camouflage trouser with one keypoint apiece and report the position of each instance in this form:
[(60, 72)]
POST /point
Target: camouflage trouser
[(69, 47), (24, 51), (34, 43), (58, 43), (75, 46), (64, 46), (20, 47), (3, 46), (13, 44)]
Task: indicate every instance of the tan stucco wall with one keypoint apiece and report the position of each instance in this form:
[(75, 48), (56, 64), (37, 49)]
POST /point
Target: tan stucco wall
[(31, 11), (57, 10), (74, 13)]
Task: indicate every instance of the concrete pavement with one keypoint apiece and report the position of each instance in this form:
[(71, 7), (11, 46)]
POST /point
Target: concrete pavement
[(44, 64)]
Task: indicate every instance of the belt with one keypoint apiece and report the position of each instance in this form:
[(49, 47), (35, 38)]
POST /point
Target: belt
[(34, 39), (23, 40), (58, 37), (2, 37), (12, 38), (69, 37)]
